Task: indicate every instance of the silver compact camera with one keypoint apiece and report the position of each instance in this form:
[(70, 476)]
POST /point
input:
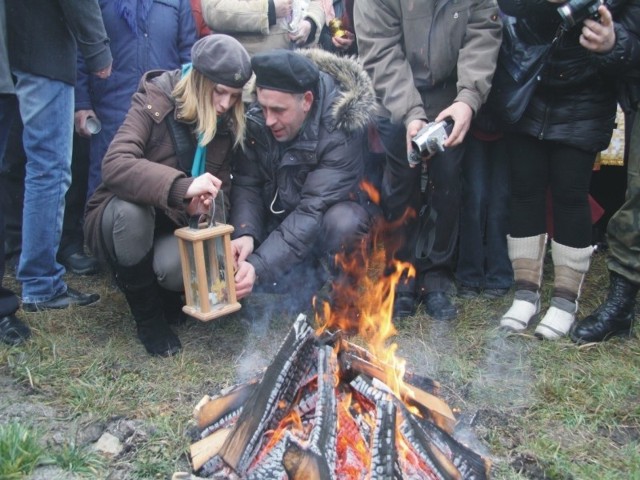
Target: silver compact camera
[(429, 140)]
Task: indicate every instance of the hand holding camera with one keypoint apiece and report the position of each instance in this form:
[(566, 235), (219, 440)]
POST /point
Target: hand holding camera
[(429, 140), (574, 12)]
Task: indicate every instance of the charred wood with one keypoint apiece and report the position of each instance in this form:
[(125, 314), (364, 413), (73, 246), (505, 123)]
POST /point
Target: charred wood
[(383, 450), (211, 410), (261, 410)]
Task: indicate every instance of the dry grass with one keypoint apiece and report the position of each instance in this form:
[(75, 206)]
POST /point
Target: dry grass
[(538, 409)]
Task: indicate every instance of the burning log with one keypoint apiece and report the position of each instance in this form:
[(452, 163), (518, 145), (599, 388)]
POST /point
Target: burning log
[(207, 448), (209, 410), (261, 408), (322, 411), (434, 407)]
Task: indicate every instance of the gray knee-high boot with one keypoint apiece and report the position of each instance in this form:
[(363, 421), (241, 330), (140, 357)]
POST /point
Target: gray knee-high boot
[(570, 266), (527, 257)]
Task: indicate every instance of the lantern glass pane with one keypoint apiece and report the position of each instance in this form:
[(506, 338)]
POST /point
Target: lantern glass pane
[(216, 272), (193, 297)]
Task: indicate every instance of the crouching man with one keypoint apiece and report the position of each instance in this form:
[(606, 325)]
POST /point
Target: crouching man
[(295, 192)]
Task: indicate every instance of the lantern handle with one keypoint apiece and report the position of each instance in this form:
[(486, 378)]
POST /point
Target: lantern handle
[(194, 220)]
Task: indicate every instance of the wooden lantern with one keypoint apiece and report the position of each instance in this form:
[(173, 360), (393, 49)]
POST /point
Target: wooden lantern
[(207, 270)]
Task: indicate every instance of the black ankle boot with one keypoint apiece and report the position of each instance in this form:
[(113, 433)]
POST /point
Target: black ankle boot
[(140, 288), (613, 317)]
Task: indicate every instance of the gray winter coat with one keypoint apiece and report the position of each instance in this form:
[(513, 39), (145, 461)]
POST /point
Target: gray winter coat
[(279, 197)]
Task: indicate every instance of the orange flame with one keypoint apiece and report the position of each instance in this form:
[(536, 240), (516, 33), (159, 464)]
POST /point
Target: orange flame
[(362, 298)]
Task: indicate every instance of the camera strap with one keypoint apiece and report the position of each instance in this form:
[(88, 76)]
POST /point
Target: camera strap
[(426, 231)]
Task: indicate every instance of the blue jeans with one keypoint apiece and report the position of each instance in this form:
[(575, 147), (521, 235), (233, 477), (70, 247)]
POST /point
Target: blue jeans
[(483, 259), (46, 107)]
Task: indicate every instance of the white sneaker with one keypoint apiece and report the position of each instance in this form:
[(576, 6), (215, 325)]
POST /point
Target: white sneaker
[(519, 315), (555, 324)]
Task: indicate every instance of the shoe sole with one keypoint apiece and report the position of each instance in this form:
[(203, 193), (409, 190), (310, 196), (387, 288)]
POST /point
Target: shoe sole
[(34, 307), (609, 336), (509, 329)]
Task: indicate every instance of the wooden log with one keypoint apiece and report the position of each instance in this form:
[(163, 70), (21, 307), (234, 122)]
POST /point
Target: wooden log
[(383, 448), (210, 410), (303, 464), (466, 461), (427, 384), (260, 409), (437, 409), (207, 448)]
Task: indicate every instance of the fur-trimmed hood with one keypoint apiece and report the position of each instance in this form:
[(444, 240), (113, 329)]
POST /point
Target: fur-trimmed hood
[(355, 106)]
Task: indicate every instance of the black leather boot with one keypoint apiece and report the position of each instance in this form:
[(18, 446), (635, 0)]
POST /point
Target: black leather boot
[(140, 287), (613, 317)]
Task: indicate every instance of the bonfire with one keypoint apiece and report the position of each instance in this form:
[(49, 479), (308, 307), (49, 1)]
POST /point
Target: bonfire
[(327, 408)]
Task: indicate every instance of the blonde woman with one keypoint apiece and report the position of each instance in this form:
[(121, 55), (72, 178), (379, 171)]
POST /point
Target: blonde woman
[(167, 162)]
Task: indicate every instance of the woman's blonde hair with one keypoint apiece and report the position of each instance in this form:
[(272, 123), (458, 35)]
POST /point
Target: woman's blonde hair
[(194, 102)]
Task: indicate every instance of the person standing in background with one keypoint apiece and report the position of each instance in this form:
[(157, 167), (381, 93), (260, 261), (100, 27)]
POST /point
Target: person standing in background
[(13, 331), (44, 37), (201, 26), (262, 25), (145, 35), (429, 61), (569, 119), (483, 266), (616, 315)]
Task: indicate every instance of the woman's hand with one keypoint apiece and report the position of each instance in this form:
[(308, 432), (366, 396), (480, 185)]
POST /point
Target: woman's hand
[(202, 192), (343, 43), (599, 36)]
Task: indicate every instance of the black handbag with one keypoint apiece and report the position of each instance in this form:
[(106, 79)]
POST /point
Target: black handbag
[(518, 71)]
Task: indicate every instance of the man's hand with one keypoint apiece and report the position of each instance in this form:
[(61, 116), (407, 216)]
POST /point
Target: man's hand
[(300, 36), (245, 278), (241, 248), (413, 128), (104, 73), (461, 114), (599, 37), (80, 122), (201, 192), (282, 7)]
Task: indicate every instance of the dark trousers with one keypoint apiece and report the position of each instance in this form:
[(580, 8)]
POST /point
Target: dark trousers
[(12, 182), (344, 226), (8, 106), (401, 189), (483, 260), (537, 165)]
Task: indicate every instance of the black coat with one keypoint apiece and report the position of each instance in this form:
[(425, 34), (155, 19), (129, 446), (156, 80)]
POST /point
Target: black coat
[(279, 193), (575, 102), (43, 35)]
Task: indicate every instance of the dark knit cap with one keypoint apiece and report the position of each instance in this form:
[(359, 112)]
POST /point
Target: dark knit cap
[(285, 71), (222, 59)]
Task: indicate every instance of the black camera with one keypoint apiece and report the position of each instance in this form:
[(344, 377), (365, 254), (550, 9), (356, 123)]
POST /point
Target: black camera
[(575, 11)]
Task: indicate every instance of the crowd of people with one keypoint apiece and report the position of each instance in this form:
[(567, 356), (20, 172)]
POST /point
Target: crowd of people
[(284, 108)]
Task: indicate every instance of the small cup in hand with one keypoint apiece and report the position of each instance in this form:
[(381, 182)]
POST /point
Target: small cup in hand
[(93, 125)]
